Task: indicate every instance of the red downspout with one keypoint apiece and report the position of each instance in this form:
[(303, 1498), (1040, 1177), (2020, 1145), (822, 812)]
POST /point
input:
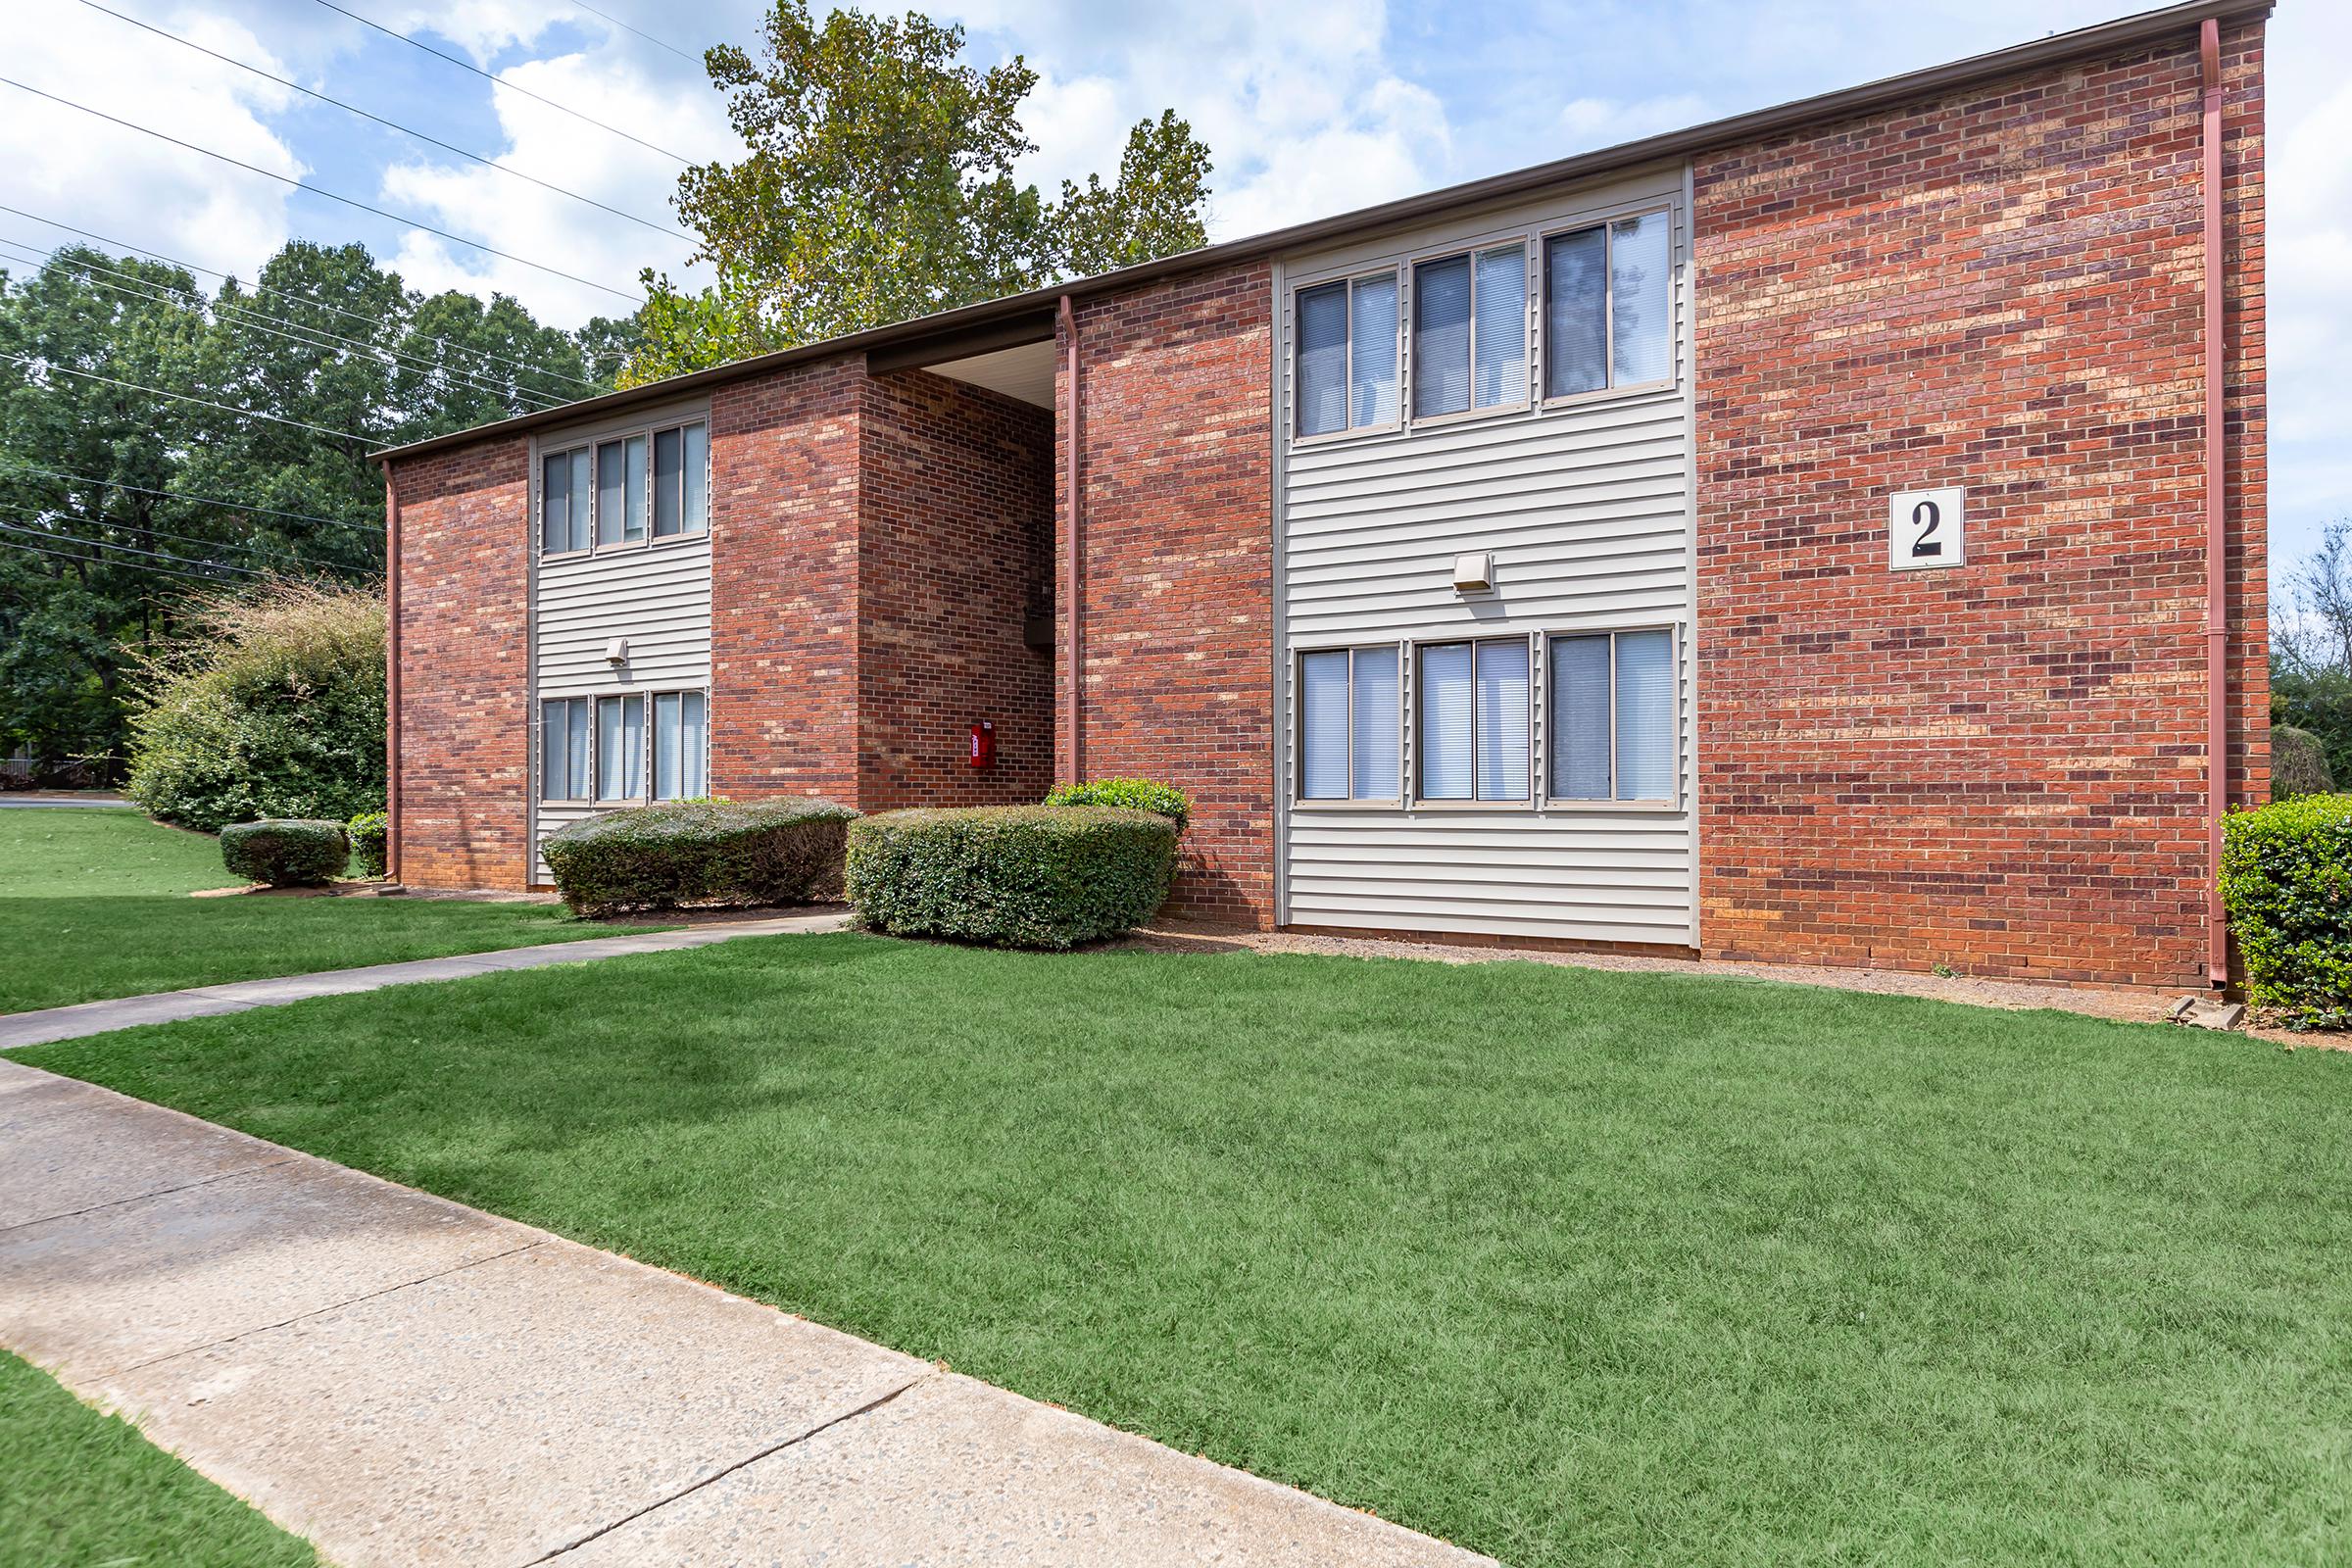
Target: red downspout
[(391, 677), (2217, 529), (1073, 536)]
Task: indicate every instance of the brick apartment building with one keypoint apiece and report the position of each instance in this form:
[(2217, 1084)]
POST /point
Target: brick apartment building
[(1834, 533)]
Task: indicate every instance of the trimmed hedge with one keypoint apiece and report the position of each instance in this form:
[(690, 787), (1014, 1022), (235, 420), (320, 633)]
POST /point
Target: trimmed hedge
[(1135, 794), (1012, 877), (2287, 879), (701, 852), (366, 832), (285, 852)]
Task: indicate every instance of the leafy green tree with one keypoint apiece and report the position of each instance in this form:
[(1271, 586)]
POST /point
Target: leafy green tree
[(878, 185), (2311, 649), (102, 532)]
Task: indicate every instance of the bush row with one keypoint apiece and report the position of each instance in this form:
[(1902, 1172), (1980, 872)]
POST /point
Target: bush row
[(1095, 860)]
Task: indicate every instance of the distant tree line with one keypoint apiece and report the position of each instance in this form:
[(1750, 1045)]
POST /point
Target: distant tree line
[(118, 503), (2311, 670)]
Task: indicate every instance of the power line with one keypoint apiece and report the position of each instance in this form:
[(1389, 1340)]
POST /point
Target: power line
[(209, 501), (103, 544), (169, 294), (467, 65), (113, 565), (275, 557), (324, 305), (134, 386), (320, 190), (641, 32), (405, 130)]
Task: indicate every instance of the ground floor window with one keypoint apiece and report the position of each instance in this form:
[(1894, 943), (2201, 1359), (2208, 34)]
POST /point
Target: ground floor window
[(606, 749), (1613, 716), (1349, 735), (1475, 720)]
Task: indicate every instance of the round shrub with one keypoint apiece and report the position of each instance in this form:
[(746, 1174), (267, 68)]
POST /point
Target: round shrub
[(272, 707), (2298, 763), (285, 852), (367, 831), (2286, 879), (1012, 876), (1135, 794), (705, 851)]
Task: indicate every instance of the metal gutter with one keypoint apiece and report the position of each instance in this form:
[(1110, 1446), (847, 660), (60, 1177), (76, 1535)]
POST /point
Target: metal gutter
[(391, 676), (2216, 522), (1073, 577), (2104, 37)]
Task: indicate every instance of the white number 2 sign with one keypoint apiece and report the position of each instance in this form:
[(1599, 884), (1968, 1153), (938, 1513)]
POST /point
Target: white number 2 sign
[(1924, 529)]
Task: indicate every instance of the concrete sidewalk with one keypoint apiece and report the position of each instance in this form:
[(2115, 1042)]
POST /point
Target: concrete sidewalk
[(406, 1380), (205, 1002)]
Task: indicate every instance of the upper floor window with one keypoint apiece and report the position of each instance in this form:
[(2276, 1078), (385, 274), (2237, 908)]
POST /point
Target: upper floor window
[(1470, 332), (610, 492), (1608, 306), (1348, 355), (563, 501)]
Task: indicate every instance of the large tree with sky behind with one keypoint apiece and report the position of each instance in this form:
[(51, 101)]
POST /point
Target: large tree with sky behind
[(878, 185)]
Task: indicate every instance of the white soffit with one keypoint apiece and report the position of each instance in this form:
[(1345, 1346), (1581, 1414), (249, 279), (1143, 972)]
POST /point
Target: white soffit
[(1025, 373)]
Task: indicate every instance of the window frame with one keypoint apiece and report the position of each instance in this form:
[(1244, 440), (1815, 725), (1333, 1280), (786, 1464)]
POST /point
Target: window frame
[(653, 739), (1351, 801), (1395, 272), (1411, 708), (593, 441), (645, 797), (1607, 225), (1541, 698), (1409, 318)]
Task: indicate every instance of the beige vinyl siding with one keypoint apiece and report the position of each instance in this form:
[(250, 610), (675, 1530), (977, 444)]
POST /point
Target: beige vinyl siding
[(656, 595), (1585, 507)]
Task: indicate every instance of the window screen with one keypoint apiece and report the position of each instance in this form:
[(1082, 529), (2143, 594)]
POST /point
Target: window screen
[(1576, 313), (1323, 725), (1449, 768), (619, 748), (1441, 337), (1614, 716), (1372, 755), (1500, 376), (1503, 721), (1641, 295), (1372, 329), (564, 749), (698, 478), (1323, 360)]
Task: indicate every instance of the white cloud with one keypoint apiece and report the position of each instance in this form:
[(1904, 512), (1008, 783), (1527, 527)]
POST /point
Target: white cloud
[(611, 83), (1589, 123), (115, 181)]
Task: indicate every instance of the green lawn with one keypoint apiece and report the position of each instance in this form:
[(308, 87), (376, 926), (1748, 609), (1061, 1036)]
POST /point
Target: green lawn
[(81, 1490), (94, 903), (1568, 1266)]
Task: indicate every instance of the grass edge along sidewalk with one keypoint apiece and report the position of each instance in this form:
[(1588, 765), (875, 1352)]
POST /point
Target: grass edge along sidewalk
[(1563, 1266)]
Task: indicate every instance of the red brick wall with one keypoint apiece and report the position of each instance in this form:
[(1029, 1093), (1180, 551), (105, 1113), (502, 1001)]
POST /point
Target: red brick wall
[(784, 482), (957, 547), (465, 741), (1998, 766), (1179, 567)]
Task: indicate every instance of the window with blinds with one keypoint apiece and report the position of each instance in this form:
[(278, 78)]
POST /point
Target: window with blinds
[(1475, 708), (564, 749), (1613, 716), (1470, 332), (679, 748), (1349, 727), (563, 492), (1608, 306), (1347, 354)]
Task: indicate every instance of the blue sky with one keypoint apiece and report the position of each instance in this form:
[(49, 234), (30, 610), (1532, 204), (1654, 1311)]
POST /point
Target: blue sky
[(1308, 110)]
